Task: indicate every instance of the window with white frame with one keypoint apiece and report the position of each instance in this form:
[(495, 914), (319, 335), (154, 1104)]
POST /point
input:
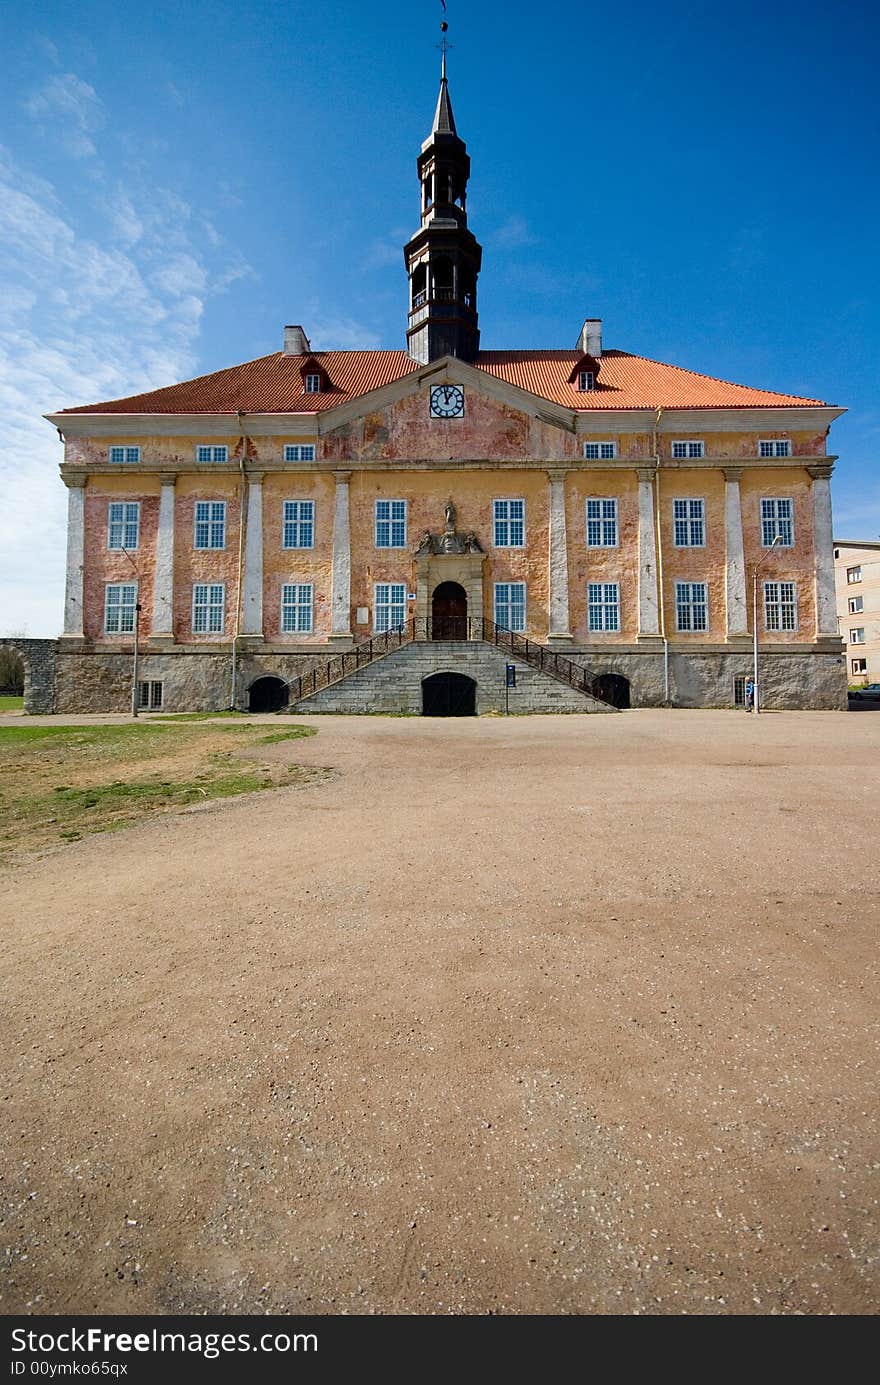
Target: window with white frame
[(688, 524), (600, 451), (209, 601), (780, 606), (691, 606), (859, 665), (210, 524), (857, 635), (586, 380), (774, 447), (126, 455), (510, 605), (207, 452), (299, 524), (391, 524), (509, 523), (299, 452), (313, 384), (856, 604), (123, 524), (777, 522), (601, 522), (688, 447), (150, 695), (854, 574), (296, 608), (603, 605), (120, 606), (389, 607)]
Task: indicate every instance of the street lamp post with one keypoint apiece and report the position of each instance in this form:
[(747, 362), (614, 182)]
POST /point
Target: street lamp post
[(137, 631), (758, 567)]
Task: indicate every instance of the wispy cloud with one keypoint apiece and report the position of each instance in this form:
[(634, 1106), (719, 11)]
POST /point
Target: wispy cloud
[(513, 234), (338, 334), (69, 110)]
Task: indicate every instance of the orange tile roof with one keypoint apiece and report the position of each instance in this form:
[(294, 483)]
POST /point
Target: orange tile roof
[(274, 384)]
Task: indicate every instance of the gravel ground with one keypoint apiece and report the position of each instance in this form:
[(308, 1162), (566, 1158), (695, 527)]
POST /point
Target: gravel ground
[(547, 1015)]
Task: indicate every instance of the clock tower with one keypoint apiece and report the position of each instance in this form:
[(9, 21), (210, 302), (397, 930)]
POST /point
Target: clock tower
[(443, 258)]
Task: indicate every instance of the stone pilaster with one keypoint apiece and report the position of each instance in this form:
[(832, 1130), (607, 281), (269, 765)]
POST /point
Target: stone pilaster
[(649, 609), (76, 537), (558, 561), (163, 584), (735, 563), (823, 542), (252, 585), (340, 600)]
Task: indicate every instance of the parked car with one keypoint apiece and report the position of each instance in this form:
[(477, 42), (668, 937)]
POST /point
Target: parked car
[(871, 690)]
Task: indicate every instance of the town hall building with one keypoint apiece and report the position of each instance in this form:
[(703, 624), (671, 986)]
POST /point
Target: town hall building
[(394, 530)]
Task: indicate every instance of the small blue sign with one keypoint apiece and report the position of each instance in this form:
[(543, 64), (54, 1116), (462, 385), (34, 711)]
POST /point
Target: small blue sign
[(511, 675)]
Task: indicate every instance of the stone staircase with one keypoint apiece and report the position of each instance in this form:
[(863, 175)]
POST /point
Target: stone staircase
[(392, 682)]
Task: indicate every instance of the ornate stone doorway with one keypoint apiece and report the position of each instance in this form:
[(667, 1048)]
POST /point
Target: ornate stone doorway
[(449, 611), (449, 695)]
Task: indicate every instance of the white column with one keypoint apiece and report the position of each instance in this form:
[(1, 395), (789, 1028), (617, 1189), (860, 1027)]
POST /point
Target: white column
[(252, 594), (649, 611), (823, 542), (737, 603), (558, 559), (163, 584), (340, 602), (73, 593)]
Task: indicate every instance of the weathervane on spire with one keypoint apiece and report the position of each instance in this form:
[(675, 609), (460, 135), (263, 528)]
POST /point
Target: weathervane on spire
[(444, 45)]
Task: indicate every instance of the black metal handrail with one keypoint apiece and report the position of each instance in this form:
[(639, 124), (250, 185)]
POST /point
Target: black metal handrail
[(457, 628)]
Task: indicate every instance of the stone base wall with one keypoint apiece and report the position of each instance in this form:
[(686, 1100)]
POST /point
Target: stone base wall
[(394, 684), (789, 682), (39, 672)]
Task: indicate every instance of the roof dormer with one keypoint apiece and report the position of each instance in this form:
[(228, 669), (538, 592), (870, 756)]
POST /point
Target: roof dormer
[(585, 373), (314, 376)]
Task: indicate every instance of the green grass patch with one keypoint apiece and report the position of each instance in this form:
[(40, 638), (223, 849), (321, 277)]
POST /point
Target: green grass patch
[(296, 733), (11, 702)]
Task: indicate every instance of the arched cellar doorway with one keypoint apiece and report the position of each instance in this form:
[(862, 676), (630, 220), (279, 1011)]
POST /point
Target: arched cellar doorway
[(449, 612), (449, 695), (268, 695), (614, 688)]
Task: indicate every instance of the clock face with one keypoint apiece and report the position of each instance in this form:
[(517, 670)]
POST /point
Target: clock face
[(447, 401)]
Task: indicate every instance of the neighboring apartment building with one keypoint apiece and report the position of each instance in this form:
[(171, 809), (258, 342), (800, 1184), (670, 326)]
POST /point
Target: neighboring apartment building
[(857, 574), (612, 509)]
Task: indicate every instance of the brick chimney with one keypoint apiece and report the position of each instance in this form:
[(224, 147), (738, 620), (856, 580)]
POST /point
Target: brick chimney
[(590, 339), (296, 343)]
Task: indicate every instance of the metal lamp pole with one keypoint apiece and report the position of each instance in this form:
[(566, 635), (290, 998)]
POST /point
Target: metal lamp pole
[(758, 567), (137, 624)]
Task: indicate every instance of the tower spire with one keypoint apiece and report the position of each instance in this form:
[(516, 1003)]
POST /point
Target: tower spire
[(443, 257)]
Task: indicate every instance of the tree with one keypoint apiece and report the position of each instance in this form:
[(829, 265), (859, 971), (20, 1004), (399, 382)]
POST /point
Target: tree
[(11, 669)]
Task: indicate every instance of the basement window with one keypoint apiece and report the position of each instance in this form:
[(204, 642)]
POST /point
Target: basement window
[(150, 695)]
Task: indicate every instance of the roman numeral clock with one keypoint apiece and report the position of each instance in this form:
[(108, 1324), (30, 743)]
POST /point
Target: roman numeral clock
[(447, 401)]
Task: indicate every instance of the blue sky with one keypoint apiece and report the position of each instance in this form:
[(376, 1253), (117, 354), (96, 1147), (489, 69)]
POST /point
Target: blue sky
[(178, 181)]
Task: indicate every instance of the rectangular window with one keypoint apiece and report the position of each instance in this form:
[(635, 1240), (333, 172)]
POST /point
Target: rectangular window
[(600, 451), (777, 521), (209, 600), (125, 454), (774, 447), (313, 384), (688, 448), (603, 605), (210, 526), (150, 696), (120, 602), (389, 610), (299, 452), (123, 524), (207, 452), (509, 518), (739, 690), (859, 665), (856, 604), (601, 523), (296, 608), (691, 606), (857, 635), (391, 524), (780, 606), (299, 524), (854, 574), (688, 524), (586, 380), (510, 605)]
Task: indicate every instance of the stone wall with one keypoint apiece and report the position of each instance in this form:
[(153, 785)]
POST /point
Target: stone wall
[(394, 684), (39, 672), (790, 682), (193, 681)]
